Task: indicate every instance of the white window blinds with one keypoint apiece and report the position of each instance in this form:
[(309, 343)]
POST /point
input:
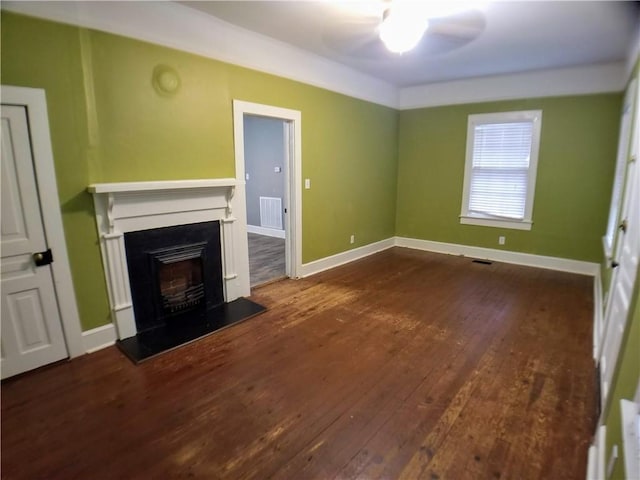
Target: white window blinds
[(500, 169)]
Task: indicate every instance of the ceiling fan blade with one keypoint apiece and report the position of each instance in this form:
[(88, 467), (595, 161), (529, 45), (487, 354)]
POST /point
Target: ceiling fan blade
[(353, 37), (464, 26), (358, 36)]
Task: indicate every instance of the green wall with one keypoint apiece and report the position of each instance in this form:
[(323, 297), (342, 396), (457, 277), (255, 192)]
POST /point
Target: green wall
[(47, 55), (575, 168), (108, 124)]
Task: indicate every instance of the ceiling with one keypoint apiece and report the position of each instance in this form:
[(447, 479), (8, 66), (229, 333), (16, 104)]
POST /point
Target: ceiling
[(504, 37)]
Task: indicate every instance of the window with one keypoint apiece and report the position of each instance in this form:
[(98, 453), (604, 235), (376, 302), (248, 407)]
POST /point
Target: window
[(619, 174), (500, 169)]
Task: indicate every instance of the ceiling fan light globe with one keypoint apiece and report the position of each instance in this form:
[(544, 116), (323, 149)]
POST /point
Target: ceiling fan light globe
[(401, 33)]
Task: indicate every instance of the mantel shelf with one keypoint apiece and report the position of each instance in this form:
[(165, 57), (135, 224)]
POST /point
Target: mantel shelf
[(132, 187)]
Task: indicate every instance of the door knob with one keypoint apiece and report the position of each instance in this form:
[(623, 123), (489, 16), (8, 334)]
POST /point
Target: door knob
[(43, 258)]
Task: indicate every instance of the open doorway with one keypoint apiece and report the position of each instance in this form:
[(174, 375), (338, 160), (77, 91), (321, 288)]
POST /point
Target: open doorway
[(265, 158), (268, 158)]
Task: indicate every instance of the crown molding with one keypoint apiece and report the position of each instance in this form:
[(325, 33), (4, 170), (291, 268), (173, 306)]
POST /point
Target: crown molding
[(176, 26), (583, 80)]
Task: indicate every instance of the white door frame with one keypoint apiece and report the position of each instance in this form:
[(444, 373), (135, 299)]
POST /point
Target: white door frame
[(293, 187), (612, 245), (34, 100), (615, 326)]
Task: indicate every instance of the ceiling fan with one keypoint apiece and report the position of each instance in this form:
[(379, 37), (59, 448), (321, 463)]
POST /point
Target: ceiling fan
[(401, 24)]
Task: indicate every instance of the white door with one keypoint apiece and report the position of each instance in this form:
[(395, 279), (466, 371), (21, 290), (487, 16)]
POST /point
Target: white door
[(31, 333), (626, 255), (616, 201)]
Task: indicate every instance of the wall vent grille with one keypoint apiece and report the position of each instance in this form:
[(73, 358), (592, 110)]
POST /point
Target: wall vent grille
[(271, 212)]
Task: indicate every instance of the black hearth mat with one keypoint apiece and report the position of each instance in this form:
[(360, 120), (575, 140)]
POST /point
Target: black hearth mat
[(148, 344)]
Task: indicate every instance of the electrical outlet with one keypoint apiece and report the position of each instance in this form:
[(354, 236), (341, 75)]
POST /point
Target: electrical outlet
[(352, 239), (501, 240), (246, 176)]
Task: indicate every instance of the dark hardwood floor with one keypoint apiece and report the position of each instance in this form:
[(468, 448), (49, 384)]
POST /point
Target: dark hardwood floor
[(402, 365), (266, 259)]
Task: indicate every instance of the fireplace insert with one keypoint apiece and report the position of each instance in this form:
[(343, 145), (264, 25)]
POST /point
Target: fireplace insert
[(175, 274)]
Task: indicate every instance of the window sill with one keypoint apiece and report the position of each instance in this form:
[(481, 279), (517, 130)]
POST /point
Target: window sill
[(494, 222)]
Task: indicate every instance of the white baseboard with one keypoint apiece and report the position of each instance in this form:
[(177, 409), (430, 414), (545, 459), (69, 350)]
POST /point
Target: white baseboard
[(99, 338), (269, 232), (326, 263), (517, 258)]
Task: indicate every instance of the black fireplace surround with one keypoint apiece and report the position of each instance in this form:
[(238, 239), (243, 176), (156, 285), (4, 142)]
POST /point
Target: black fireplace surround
[(178, 250), (175, 275)]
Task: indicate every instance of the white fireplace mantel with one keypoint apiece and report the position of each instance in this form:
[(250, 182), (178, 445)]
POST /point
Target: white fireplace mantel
[(161, 185), (133, 206)]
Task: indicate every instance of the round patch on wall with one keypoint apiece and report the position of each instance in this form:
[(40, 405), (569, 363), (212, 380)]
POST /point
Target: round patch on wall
[(166, 80)]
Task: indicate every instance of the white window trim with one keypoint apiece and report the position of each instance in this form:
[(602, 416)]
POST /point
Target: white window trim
[(471, 218)]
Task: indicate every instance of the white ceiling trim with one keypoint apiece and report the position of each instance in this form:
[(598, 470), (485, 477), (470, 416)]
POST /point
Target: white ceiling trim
[(177, 26), (547, 83)]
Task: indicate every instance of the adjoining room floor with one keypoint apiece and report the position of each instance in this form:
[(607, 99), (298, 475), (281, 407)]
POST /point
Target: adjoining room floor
[(266, 258), (404, 364)]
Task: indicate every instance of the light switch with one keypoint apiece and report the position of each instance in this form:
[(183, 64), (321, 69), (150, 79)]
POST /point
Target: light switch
[(307, 183), (277, 169), (246, 176)]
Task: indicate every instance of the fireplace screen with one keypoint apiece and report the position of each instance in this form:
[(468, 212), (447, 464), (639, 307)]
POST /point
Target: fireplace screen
[(181, 285)]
